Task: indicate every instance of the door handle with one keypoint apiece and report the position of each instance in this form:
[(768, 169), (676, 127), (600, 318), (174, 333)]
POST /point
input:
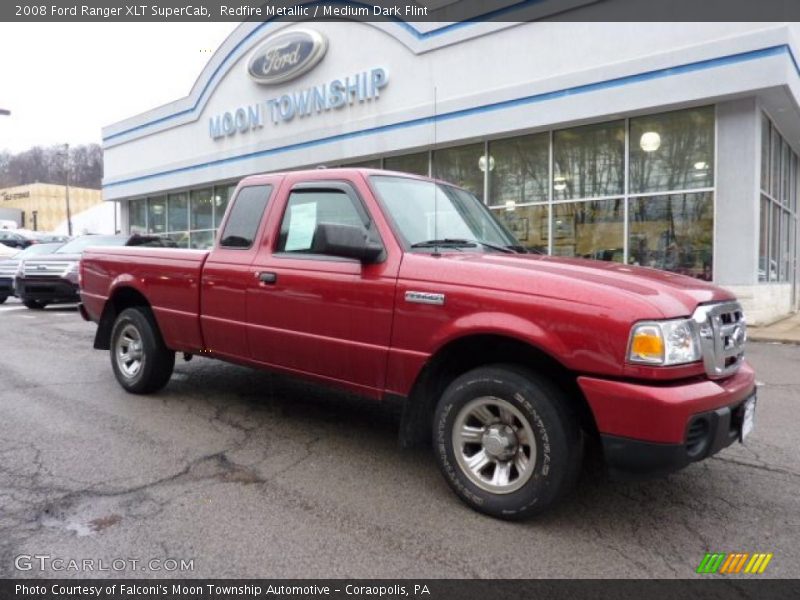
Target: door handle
[(267, 277)]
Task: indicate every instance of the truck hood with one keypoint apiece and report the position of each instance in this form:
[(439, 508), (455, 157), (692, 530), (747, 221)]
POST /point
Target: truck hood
[(54, 258), (587, 281)]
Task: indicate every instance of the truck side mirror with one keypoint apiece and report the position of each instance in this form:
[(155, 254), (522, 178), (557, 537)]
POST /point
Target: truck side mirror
[(347, 241)]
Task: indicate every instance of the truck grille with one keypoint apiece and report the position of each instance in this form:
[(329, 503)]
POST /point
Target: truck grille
[(8, 268), (45, 269), (723, 333)]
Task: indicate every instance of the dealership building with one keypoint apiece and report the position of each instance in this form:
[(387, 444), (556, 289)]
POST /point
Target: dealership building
[(669, 145)]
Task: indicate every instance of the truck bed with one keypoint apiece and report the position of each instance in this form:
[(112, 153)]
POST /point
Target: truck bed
[(168, 277)]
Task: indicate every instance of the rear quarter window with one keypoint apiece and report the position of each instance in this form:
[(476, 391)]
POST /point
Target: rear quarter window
[(245, 216)]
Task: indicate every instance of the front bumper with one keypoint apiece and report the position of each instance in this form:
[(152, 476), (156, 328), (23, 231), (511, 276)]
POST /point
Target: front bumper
[(708, 433), (656, 428), (47, 289)]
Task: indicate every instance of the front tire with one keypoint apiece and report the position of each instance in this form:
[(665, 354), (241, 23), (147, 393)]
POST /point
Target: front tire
[(3, 299), (506, 441), (142, 363)]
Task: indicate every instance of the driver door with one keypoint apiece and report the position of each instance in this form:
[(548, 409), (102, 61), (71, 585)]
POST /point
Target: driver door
[(316, 314)]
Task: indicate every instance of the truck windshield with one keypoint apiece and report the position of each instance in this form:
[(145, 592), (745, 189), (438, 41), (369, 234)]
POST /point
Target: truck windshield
[(429, 214)]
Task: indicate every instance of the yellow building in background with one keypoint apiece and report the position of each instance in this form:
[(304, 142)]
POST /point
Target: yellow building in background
[(44, 205)]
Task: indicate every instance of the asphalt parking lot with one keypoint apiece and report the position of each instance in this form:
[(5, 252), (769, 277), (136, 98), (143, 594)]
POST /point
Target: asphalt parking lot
[(252, 475)]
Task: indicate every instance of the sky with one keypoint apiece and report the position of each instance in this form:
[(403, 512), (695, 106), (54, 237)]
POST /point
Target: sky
[(63, 82)]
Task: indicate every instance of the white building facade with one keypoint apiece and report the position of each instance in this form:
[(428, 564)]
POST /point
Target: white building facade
[(669, 145)]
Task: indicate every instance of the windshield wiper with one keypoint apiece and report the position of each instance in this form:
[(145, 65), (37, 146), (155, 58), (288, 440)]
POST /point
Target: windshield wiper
[(461, 243)]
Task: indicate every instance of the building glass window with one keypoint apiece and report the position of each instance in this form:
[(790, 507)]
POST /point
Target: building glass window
[(777, 243), (529, 224), (461, 166), (673, 233), (764, 270), (222, 195), (765, 146), (785, 169), (374, 163), (157, 215), (667, 192), (589, 161), (519, 170), (592, 229), (201, 239), (178, 212), (672, 151), (137, 215), (775, 161), (416, 164), (201, 209)]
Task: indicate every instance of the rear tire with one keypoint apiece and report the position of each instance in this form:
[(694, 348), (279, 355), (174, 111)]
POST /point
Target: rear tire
[(142, 363), (34, 304), (506, 441)]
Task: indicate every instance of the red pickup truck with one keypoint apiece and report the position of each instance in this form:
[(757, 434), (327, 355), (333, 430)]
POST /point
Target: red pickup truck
[(405, 289)]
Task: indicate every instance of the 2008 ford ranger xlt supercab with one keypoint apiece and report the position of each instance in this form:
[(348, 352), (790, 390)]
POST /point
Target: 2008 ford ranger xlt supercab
[(405, 289)]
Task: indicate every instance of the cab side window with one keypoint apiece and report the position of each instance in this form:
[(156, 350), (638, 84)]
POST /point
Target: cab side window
[(306, 209), (245, 217)]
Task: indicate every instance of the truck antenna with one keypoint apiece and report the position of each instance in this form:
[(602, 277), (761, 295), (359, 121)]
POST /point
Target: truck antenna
[(435, 194)]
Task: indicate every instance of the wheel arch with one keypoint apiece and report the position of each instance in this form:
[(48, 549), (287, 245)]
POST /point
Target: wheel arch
[(124, 296), (468, 352)]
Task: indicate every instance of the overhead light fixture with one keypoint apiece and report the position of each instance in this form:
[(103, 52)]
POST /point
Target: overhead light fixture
[(559, 183), (482, 163), (650, 141), (510, 205), (701, 166)]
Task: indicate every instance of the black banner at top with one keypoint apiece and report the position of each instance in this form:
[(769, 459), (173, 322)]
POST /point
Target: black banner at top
[(399, 10)]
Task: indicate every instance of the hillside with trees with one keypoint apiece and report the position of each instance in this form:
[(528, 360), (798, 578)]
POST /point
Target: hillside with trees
[(47, 165)]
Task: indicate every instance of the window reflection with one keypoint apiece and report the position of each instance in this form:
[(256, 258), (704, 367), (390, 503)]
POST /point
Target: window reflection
[(201, 239), (673, 233), (178, 212), (137, 215), (410, 163), (157, 215), (589, 161), (461, 166), (765, 269), (672, 151), (201, 211), (528, 224), (592, 229), (222, 195), (777, 244), (519, 170)]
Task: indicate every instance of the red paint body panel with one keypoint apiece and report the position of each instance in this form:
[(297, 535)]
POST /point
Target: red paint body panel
[(345, 323), (660, 413), (167, 277)]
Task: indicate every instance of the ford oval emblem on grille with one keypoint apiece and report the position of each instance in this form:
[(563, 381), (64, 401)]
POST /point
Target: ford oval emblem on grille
[(41, 267), (286, 56)]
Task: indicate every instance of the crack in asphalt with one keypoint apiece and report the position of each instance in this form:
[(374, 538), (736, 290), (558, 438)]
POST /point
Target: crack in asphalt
[(760, 467)]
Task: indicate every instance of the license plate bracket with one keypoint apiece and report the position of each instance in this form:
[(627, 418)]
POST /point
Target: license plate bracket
[(748, 418)]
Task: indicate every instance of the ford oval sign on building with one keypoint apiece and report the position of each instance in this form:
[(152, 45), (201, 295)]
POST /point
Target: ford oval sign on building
[(286, 56)]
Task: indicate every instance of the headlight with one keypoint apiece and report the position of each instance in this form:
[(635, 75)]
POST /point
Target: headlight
[(664, 343)]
